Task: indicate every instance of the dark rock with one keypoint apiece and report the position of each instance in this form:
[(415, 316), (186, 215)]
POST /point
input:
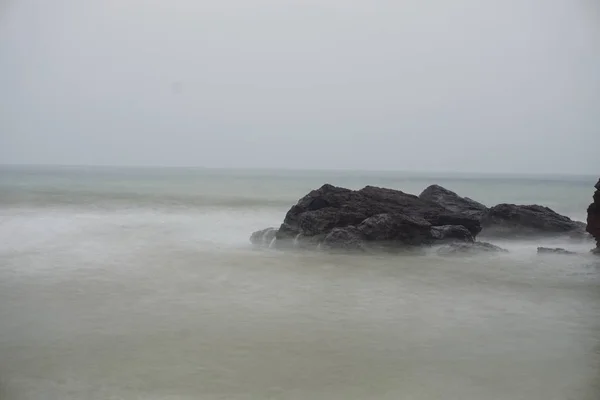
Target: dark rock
[(469, 249), (377, 214), (547, 250), (593, 217), (393, 231), (342, 218), (348, 238), (593, 222), (472, 224), (453, 202), (510, 220), (451, 233), (396, 229), (264, 237)]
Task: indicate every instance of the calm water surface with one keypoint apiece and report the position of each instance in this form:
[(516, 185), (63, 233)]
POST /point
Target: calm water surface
[(141, 284)]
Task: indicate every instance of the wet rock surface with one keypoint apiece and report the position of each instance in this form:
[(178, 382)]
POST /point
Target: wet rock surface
[(452, 201), (451, 233), (518, 221), (372, 214), (333, 217), (348, 238), (593, 218)]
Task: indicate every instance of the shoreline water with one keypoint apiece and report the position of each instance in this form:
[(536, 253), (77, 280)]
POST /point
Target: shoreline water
[(146, 286)]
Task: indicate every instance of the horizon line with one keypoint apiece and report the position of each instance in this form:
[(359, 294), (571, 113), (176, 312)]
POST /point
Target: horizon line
[(200, 167)]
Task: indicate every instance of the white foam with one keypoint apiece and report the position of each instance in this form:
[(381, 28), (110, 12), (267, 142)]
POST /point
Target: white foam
[(296, 240)]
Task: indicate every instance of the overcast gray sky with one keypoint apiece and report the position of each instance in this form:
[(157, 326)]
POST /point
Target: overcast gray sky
[(428, 85)]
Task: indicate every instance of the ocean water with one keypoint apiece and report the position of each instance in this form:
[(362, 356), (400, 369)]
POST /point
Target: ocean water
[(124, 283)]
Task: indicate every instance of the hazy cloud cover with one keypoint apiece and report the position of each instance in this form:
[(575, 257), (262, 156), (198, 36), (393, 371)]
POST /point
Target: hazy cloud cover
[(464, 85)]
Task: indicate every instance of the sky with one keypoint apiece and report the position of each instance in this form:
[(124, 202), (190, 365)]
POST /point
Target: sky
[(503, 86)]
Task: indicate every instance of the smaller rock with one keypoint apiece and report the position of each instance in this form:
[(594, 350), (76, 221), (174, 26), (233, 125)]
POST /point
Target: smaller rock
[(264, 237), (451, 233), (514, 221), (469, 249), (557, 250)]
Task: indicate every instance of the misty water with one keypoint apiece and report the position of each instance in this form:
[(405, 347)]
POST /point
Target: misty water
[(142, 284)]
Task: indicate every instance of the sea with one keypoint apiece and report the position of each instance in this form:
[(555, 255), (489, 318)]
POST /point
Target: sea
[(141, 283)]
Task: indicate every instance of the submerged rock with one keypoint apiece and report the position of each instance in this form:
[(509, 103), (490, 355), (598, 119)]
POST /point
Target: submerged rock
[(264, 237), (557, 250), (452, 201), (593, 218), (333, 215), (515, 221), (469, 248)]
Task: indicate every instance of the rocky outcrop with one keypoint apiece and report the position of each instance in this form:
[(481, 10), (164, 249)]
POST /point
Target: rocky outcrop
[(518, 221), (593, 218), (547, 250), (506, 220), (454, 249), (452, 201), (340, 218)]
